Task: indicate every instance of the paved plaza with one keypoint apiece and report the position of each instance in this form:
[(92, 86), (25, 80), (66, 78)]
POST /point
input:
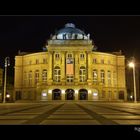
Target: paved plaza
[(70, 113)]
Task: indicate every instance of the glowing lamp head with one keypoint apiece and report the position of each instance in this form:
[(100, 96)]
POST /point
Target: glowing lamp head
[(95, 94), (44, 94), (89, 91), (63, 91), (50, 91), (8, 96), (76, 91), (131, 96), (131, 64)]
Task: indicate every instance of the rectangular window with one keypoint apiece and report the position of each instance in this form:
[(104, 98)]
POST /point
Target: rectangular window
[(94, 60), (69, 55), (30, 78), (82, 56), (70, 78), (102, 77), (44, 61), (37, 61), (44, 75), (102, 61), (30, 62), (57, 75), (82, 74), (36, 76), (109, 77), (57, 56)]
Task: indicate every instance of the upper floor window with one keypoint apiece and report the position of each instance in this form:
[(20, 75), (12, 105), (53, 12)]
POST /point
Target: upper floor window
[(36, 76), (57, 74), (57, 56), (102, 61), (94, 60), (37, 61), (30, 62), (109, 77), (30, 78), (109, 62), (44, 75), (44, 60), (102, 76), (82, 74), (69, 55), (70, 78), (82, 56)]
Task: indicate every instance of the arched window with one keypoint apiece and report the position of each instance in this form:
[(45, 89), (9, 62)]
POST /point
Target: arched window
[(95, 76), (102, 76), (30, 78), (57, 74), (82, 74), (44, 75), (36, 76)]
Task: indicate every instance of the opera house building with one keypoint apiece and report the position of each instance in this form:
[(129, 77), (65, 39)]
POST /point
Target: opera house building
[(70, 68)]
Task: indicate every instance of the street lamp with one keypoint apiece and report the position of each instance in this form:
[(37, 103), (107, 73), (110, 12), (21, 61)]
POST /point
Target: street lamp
[(132, 65), (7, 63)]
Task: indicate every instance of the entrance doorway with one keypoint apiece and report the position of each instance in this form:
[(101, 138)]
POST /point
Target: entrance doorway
[(56, 94), (83, 94), (69, 94)]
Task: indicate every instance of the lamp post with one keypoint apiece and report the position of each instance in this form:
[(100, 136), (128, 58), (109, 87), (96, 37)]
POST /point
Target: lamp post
[(132, 65), (7, 63)]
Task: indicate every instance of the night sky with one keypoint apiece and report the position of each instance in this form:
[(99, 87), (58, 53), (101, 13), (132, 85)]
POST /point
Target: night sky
[(30, 33)]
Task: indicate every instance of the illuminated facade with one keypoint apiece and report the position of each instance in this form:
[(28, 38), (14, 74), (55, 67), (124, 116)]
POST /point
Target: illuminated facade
[(1, 76), (70, 69), (1, 83)]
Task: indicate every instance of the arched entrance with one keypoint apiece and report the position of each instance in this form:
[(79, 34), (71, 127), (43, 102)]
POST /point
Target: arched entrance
[(56, 94), (69, 94), (83, 94)]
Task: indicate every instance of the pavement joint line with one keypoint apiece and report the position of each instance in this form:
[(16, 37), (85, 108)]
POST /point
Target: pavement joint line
[(126, 107), (40, 118), (23, 109), (99, 118), (115, 109), (69, 119)]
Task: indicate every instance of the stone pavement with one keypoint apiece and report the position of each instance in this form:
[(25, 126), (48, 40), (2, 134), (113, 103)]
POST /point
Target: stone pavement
[(70, 113)]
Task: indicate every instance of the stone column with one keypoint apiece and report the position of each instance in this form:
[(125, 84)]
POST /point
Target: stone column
[(63, 96), (49, 96), (76, 96), (76, 69), (89, 68), (50, 68), (90, 95), (63, 68)]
